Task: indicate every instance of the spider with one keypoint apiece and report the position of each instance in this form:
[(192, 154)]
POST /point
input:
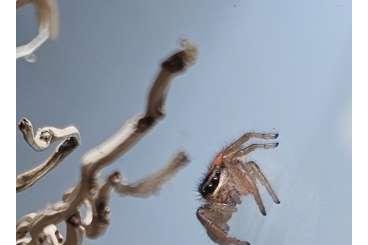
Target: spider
[(229, 177)]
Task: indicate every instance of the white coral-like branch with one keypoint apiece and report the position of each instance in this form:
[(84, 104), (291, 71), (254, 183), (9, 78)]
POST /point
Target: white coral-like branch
[(151, 184), (88, 191), (48, 25), (43, 138)]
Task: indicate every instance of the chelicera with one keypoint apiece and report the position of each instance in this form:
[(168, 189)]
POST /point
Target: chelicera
[(229, 177)]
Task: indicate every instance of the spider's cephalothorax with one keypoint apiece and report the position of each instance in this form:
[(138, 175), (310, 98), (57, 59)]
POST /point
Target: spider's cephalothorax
[(230, 176)]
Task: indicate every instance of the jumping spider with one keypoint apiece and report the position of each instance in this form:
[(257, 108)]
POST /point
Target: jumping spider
[(230, 176)]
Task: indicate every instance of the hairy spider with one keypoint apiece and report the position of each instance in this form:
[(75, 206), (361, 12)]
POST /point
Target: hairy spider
[(229, 177)]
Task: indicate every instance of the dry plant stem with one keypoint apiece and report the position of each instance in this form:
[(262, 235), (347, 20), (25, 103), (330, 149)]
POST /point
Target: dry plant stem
[(152, 183), (48, 25), (112, 148), (23, 225), (135, 129), (30, 177), (98, 208), (99, 211), (20, 3), (44, 137), (74, 230), (74, 235), (29, 48), (50, 236), (24, 241)]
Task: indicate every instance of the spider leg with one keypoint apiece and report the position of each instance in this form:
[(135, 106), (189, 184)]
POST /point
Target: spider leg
[(258, 199), (247, 136), (258, 174), (253, 147), (205, 215), (253, 189)]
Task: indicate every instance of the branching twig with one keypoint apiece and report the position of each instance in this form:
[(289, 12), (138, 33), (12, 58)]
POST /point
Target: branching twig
[(44, 137), (50, 236), (87, 190), (23, 225), (135, 129), (48, 25), (98, 213)]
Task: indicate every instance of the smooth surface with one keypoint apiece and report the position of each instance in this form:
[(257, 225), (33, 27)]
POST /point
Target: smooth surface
[(263, 65)]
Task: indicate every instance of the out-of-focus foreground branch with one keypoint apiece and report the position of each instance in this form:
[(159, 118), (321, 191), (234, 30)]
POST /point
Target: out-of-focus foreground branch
[(41, 227), (48, 25)]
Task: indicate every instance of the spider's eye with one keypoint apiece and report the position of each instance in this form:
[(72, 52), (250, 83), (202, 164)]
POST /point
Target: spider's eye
[(210, 183), (209, 188)]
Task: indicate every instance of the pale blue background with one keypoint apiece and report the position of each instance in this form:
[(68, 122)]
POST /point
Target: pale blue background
[(263, 64)]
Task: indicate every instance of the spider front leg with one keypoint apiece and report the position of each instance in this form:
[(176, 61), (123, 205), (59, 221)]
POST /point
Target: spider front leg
[(245, 151), (246, 137), (216, 227)]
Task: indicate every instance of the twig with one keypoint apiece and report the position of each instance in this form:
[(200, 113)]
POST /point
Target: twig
[(48, 25), (152, 183), (21, 3), (136, 128), (96, 159), (98, 212), (74, 230), (44, 137)]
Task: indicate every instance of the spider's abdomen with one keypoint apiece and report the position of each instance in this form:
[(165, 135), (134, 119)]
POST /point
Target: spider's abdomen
[(210, 183)]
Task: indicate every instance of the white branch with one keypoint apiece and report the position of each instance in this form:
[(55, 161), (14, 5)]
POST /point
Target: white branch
[(98, 212), (135, 129), (151, 184), (44, 137), (21, 3), (23, 225), (98, 208), (103, 155), (49, 236), (24, 241), (48, 25), (74, 230)]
